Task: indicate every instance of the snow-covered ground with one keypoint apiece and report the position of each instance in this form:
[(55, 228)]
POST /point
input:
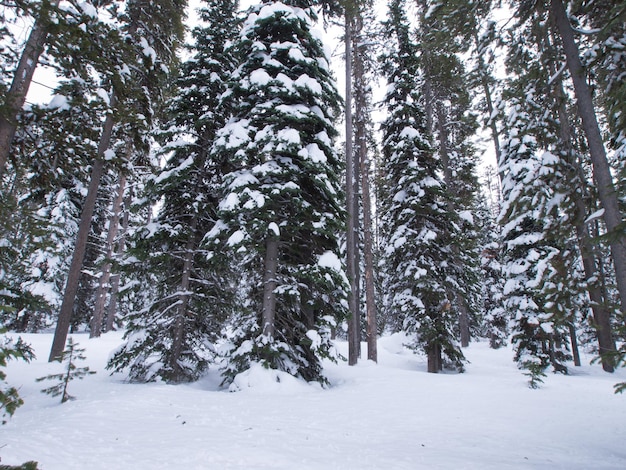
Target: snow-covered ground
[(392, 415)]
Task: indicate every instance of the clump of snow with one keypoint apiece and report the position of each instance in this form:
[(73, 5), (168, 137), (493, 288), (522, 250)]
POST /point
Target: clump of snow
[(263, 380), (330, 260), (273, 227), (59, 103)]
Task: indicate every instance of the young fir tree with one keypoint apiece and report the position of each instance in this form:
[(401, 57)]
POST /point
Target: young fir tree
[(416, 219), (281, 209), (71, 355), (171, 332)]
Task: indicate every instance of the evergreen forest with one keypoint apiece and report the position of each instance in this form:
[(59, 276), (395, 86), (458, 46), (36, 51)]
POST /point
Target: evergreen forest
[(206, 187)]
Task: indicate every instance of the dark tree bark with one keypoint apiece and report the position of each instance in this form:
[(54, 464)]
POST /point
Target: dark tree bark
[(354, 323), (22, 78), (601, 170), (76, 265), (115, 277), (182, 309), (361, 135)]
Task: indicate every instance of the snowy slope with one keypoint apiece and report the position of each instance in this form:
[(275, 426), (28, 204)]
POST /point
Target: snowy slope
[(387, 416)]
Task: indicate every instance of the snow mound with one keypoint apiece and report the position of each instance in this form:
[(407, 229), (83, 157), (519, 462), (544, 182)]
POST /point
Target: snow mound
[(260, 379)]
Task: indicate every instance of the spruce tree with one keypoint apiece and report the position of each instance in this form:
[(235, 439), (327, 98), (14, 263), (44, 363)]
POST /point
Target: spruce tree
[(416, 220), (170, 333), (281, 208)]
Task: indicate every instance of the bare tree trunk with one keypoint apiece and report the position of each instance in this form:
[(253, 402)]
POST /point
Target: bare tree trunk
[(22, 78), (354, 324), (574, 342), (105, 275), (115, 277), (601, 169), (361, 124), (270, 267), (71, 286), (435, 362)]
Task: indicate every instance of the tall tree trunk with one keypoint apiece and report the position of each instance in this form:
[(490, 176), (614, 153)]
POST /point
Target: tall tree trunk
[(183, 306), (23, 77), (601, 170), (270, 268), (354, 324), (105, 275), (580, 198), (361, 123), (71, 286), (457, 297), (115, 277)]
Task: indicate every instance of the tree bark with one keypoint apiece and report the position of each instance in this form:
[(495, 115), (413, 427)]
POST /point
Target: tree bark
[(105, 275), (182, 309), (71, 286), (601, 170), (580, 198), (115, 277), (270, 267), (354, 324), (361, 123), (22, 78)]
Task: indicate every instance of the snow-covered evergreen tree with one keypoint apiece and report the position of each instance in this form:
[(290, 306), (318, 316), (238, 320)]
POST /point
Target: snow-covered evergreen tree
[(416, 220), (529, 251), (171, 332), (281, 210)]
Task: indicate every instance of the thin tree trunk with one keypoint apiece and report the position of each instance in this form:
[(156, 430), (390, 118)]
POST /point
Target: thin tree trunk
[(105, 275), (270, 267), (601, 170), (115, 277), (574, 342), (22, 78), (495, 134), (71, 286), (361, 124), (354, 324)]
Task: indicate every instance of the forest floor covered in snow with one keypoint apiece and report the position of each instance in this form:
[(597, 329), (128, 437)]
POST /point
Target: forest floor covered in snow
[(390, 415)]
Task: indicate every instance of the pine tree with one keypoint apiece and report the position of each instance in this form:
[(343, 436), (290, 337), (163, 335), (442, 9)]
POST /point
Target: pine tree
[(171, 333), (416, 219), (281, 210)]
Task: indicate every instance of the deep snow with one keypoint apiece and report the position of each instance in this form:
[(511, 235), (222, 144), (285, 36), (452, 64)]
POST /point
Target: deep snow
[(392, 415)]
